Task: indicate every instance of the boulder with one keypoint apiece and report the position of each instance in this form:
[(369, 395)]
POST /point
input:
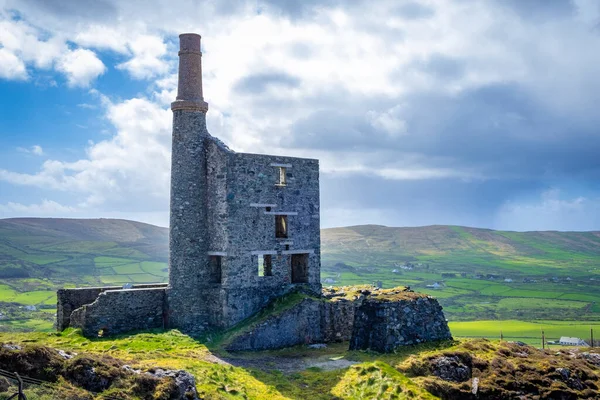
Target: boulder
[(185, 384)]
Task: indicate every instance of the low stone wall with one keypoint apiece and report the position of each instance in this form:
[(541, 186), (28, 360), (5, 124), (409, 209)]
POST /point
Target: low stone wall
[(379, 320), (120, 311), (68, 300), (310, 321), (382, 325)]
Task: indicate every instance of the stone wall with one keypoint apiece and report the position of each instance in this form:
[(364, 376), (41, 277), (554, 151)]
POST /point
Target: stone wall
[(383, 325), (379, 320), (120, 311), (336, 320), (313, 320), (68, 300)]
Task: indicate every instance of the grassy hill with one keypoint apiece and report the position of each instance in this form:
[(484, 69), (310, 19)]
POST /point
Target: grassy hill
[(443, 370), (479, 274), (39, 255)]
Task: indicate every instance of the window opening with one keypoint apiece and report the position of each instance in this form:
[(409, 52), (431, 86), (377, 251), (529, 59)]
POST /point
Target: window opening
[(282, 180), (281, 226), (268, 209), (215, 269), (299, 268), (265, 263)]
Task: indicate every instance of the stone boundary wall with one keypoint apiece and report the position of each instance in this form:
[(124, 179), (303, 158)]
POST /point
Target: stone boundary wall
[(68, 300), (120, 311)]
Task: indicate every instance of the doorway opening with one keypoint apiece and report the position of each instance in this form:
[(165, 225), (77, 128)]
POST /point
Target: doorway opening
[(299, 268)]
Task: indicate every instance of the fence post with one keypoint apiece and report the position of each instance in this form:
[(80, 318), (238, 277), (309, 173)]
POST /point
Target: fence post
[(543, 340), (20, 395)]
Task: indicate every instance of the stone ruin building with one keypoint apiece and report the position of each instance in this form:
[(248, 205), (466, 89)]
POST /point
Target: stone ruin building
[(244, 230)]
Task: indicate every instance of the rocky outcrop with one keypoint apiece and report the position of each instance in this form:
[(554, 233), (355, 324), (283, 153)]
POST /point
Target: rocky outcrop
[(384, 321), (94, 374), (184, 387)]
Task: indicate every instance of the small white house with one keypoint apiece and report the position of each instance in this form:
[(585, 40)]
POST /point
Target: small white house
[(572, 341), (435, 286), (30, 308), (508, 280)]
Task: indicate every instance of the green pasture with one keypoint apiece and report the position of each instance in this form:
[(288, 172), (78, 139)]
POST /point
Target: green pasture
[(520, 303), (529, 332), (128, 269)]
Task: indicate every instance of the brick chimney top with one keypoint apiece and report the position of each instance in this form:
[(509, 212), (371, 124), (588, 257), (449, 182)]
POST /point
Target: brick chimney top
[(189, 88)]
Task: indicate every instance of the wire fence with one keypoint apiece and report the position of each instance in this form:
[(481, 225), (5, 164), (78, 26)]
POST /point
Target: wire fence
[(21, 380)]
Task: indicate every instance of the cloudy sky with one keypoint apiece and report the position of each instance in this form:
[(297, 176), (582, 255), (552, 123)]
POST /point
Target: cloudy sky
[(477, 113)]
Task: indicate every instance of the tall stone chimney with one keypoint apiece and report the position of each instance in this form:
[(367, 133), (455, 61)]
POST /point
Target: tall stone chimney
[(188, 233)]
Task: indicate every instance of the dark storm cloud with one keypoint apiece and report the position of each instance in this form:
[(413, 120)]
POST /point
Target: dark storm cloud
[(258, 83), (497, 130), (422, 202), (334, 130)]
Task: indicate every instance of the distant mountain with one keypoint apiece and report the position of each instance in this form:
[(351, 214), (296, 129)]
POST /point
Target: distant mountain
[(460, 247), (102, 229), (79, 250)]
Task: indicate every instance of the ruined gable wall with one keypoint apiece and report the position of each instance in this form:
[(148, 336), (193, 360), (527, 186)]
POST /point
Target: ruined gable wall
[(217, 168), (119, 311), (251, 187)]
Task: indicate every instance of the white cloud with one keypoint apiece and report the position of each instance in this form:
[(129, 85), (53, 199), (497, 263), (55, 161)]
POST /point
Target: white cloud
[(45, 208), (102, 37), (81, 67), (35, 149), (147, 59), (388, 121), (24, 41), (12, 66), (132, 166)]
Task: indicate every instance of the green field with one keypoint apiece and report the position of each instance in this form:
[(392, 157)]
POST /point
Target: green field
[(480, 274), (38, 256), (528, 332)]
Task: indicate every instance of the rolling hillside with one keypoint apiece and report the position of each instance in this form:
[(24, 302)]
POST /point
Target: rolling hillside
[(476, 273)]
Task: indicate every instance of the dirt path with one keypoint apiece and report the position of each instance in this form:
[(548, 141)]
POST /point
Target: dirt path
[(286, 364)]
